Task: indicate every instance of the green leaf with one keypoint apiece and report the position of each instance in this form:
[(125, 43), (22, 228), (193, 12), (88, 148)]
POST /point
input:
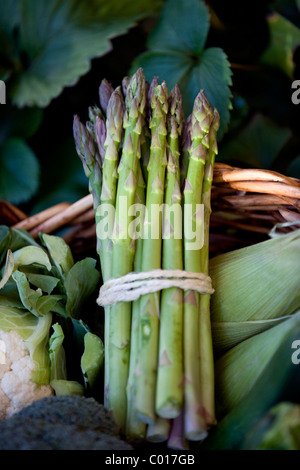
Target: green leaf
[(58, 367), (257, 144), (22, 123), (176, 54), (9, 15), (43, 282), (31, 255), (60, 253), (183, 27), (60, 37), (284, 39), (9, 296), (80, 284), (67, 387), (19, 238), (8, 268), (22, 321), (34, 300), (92, 360), (19, 171)]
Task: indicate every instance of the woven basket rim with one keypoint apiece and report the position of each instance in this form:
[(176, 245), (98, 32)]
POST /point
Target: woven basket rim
[(253, 193)]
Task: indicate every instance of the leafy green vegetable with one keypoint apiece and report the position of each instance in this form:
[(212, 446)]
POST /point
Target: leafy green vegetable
[(19, 171), (92, 360), (176, 53), (35, 332), (31, 255), (42, 281), (67, 387), (58, 368), (81, 281), (58, 39), (34, 300), (60, 253)]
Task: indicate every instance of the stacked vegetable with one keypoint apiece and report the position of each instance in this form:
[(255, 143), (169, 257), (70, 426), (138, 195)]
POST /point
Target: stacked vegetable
[(137, 147)]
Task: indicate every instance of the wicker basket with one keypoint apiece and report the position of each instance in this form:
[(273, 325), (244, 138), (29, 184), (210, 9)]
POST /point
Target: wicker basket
[(246, 203)]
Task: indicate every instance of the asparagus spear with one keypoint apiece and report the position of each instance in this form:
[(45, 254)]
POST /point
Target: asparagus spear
[(113, 137), (105, 91), (135, 428), (90, 159), (169, 390), (205, 335), (195, 426), (152, 247), (123, 246)]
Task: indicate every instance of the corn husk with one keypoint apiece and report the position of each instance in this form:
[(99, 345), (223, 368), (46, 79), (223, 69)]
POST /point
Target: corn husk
[(274, 377), (256, 287), (237, 371)]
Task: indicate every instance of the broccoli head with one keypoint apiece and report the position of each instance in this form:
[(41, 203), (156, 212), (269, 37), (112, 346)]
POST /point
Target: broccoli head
[(66, 422)]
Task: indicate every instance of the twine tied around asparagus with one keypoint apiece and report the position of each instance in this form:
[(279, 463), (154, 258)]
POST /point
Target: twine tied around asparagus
[(133, 285)]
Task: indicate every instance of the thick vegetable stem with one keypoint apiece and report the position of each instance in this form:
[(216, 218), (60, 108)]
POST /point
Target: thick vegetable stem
[(124, 246), (114, 108), (135, 428), (207, 394), (152, 249), (169, 390), (194, 422), (114, 135)]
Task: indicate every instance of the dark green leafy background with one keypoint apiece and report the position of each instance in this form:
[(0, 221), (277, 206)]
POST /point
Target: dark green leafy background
[(57, 40), (176, 53)]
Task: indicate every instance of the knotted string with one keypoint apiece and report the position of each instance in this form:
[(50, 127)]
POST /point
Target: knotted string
[(133, 285)]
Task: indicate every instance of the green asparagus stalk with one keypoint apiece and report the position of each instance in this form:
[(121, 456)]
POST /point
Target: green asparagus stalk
[(195, 426), (111, 146), (207, 394), (105, 91), (100, 135), (169, 390), (185, 149), (123, 246), (159, 430), (90, 159), (152, 248), (114, 134), (135, 428), (94, 114)]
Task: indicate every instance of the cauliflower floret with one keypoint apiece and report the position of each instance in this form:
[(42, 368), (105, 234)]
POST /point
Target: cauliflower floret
[(16, 388)]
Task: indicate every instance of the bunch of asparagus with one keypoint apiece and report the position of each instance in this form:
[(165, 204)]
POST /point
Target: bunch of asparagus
[(159, 374)]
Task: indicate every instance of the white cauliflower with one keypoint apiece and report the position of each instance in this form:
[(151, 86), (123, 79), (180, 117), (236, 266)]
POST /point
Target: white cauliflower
[(16, 372)]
